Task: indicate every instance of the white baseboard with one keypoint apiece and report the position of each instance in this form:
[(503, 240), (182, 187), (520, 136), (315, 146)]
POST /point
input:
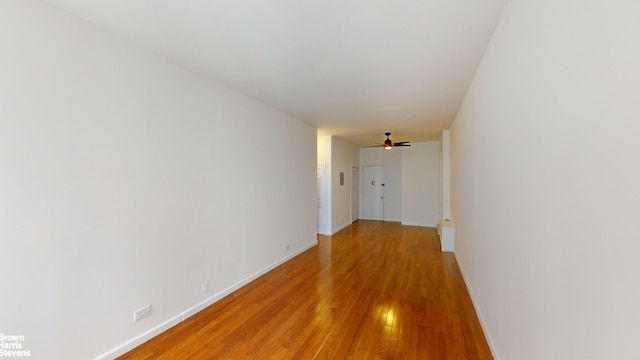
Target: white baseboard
[(174, 320), (483, 325), (419, 224), (340, 229)]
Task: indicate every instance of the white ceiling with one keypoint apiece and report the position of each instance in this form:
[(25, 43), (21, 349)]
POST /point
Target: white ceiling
[(353, 68)]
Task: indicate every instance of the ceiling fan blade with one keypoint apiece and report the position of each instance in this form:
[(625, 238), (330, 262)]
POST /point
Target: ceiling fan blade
[(401, 143)]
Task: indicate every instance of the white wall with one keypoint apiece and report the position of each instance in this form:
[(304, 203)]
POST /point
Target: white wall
[(445, 176), (338, 156), (412, 182), (421, 184), (324, 161), (127, 180), (545, 181), (343, 156), (391, 160)]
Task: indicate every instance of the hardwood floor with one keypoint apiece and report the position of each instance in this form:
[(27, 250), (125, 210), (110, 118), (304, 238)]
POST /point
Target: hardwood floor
[(376, 290)]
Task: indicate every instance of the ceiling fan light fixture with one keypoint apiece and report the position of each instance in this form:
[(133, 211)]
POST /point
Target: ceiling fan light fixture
[(388, 144)]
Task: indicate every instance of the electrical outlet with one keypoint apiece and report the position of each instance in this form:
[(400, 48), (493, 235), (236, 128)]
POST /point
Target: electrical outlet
[(204, 287), (142, 312)]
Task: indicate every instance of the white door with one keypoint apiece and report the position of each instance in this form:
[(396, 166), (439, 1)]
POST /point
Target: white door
[(372, 193), (321, 180), (355, 194)]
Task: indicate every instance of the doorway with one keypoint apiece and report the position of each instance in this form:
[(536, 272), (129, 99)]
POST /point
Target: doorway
[(373, 193)]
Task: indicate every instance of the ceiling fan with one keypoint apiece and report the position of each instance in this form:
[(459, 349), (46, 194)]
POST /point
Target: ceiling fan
[(388, 144)]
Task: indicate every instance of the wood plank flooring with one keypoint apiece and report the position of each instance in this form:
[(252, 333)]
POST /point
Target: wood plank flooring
[(376, 290)]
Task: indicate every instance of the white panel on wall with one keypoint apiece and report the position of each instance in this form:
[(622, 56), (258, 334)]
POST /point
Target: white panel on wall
[(421, 184)]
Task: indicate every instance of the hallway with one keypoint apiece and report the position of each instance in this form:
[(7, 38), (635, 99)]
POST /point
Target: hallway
[(374, 290)]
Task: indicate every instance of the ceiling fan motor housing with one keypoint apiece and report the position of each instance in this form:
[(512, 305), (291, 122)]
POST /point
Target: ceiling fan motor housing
[(388, 141)]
